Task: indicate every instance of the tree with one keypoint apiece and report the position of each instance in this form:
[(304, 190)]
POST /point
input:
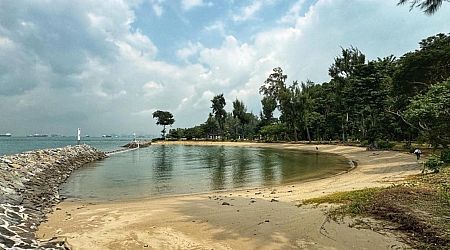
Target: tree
[(218, 105), (272, 131), (163, 118), (274, 84), (430, 113), (428, 6), (240, 113), (417, 71), (341, 71), (345, 65), (269, 104), (210, 126)]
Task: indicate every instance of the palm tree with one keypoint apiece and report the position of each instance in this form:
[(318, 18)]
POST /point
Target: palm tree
[(428, 6)]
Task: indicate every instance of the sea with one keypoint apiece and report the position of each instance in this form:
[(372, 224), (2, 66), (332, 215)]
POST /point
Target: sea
[(15, 144), (164, 170)]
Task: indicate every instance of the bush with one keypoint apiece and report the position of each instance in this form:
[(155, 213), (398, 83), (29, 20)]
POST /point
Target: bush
[(445, 155), (433, 163), (381, 144), (408, 147)]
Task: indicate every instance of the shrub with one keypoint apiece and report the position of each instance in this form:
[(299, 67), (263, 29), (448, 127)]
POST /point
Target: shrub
[(408, 147), (381, 144), (433, 163), (445, 155)]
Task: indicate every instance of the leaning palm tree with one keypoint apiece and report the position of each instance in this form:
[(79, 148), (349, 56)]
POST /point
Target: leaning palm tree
[(428, 6)]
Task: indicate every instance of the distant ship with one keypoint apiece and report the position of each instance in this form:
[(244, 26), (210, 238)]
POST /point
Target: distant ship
[(37, 135), (6, 135), (106, 136)]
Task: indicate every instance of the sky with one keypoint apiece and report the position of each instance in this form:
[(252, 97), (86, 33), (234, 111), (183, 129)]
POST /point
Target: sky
[(106, 66)]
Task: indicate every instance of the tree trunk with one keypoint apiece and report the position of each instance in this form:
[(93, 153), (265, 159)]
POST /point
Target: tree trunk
[(307, 133)]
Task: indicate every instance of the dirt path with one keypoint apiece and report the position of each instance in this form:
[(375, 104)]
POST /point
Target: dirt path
[(260, 218)]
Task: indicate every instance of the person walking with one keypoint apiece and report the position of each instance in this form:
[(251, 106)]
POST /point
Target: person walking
[(417, 152)]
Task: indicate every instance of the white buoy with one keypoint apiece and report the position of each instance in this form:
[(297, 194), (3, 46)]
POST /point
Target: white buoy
[(79, 136)]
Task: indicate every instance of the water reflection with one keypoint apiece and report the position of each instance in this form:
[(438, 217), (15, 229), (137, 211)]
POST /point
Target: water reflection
[(177, 169), (216, 164), (163, 168), (267, 163), (242, 161)]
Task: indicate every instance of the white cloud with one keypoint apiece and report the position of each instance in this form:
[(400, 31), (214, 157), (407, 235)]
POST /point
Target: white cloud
[(249, 11), (106, 76), (157, 7), (294, 13), (189, 4), (151, 88), (190, 50)]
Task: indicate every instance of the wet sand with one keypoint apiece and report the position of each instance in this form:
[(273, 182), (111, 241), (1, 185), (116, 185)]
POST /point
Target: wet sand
[(257, 218)]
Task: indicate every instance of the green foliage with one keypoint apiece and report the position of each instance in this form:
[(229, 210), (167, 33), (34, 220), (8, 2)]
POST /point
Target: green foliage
[(383, 144), (269, 104), (417, 71), (430, 113), (218, 105), (273, 132), (433, 163), (376, 101), (360, 196), (243, 118), (445, 155), (345, 65), (427, 6), (163, 118), (445, 192)]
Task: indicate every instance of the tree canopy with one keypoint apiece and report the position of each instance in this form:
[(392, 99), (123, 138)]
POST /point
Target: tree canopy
[(428, 6), (163, 118), (218, 109), (369, 101)]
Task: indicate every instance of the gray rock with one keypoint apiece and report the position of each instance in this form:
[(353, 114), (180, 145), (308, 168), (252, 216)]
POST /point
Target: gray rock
[(29, 188)]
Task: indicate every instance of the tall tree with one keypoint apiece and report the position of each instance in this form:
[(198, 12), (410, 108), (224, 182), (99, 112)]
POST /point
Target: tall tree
[(269, 104), (240, 113), (218, 109), (163, 118), (341, 71), (418, 70), (428, 6), (345, 64), (430, 113), (275, 88), (274, 84)]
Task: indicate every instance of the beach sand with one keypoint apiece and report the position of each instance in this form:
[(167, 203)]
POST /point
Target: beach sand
[(257, 218)]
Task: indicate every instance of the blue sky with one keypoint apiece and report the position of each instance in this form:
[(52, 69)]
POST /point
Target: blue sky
[(105, 66)]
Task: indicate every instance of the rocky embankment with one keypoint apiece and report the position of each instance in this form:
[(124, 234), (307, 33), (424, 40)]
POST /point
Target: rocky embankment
[(29, 185), (138, 144)]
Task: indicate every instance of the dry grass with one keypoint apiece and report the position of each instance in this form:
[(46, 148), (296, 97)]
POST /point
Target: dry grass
[(420, 208)]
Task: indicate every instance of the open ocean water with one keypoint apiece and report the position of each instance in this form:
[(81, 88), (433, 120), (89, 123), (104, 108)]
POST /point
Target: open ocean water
[(14, 145)]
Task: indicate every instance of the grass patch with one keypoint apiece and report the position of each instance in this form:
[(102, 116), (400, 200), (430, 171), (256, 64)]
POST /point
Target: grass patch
[(419, 208), (354, 201)]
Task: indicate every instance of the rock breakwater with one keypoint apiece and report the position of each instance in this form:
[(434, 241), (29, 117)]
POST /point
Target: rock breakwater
[(29, 184)]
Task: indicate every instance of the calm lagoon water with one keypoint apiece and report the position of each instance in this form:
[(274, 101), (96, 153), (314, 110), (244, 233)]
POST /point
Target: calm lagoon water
[(179, 169)]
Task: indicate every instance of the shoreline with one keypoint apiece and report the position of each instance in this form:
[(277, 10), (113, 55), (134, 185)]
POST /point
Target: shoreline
[(153, 222), (352, 165), (29, 184)]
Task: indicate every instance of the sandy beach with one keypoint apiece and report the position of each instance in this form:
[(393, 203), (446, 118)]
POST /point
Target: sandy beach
[(257, 218)]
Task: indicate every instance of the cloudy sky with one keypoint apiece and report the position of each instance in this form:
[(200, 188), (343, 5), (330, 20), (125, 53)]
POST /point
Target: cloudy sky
[(105, 66)]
